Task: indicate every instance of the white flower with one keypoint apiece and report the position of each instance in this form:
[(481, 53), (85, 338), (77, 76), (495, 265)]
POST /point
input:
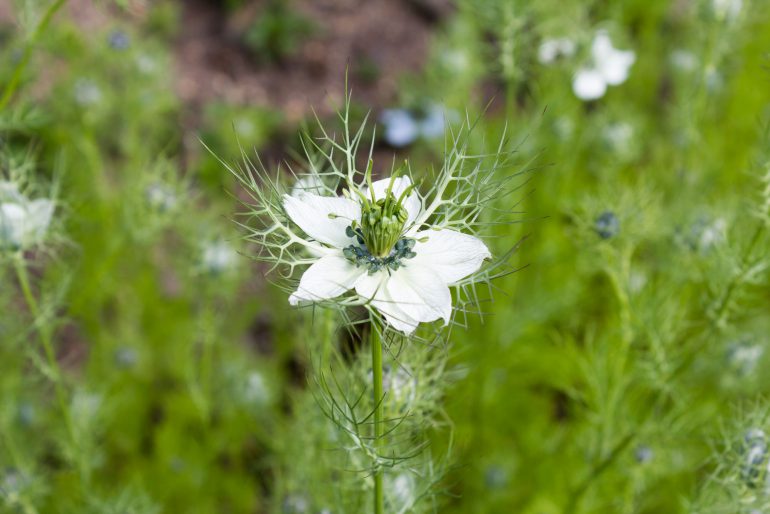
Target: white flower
[(404, 127), (378, 244), (161, 197), (87, 92), (552, 49), (609, 67), (218, 257), (683, 60), (23, 222), (727, 9)]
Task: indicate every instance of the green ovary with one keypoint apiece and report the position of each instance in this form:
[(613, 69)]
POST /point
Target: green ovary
[(382, 223)]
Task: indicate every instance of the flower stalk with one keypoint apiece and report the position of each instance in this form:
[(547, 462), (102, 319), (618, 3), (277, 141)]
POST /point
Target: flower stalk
[(53, 371), (376, 343)]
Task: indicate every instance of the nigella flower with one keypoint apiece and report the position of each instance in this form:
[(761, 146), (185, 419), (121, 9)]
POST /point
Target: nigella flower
[(609, 67), (23, 222), (376, 241), (552, 49), (403, 127)]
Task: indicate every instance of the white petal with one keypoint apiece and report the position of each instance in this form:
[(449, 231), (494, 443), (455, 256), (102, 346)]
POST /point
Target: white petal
[(601, 48), (408, 296), (616, 66), (327, 278), (589, 84), (40, 212), (451, 254), (412, 202), (324, 218), (9, 192), (12, 220), (372, 288), (548, 51)]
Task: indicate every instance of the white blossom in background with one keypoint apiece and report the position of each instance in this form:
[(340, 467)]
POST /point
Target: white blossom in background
[(683, 60), (146, 64), (218, 257), (161, 197), (377, 241), (257, 390), (608, 67), (552, 49), (400, 385), (87, 92), (727, 9), (401, 497), (403, 127), (23, 222), (619, 136)]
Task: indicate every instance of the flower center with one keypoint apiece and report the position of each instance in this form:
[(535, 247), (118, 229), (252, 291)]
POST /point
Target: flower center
[(361, 256), (382, 223)]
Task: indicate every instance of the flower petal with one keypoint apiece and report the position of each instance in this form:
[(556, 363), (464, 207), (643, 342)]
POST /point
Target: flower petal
[(616, 66), (324, 218), (372, 288), (13, 217), (39, 212), (327, 278), (450, 254), (408, 296), (589, 84), (412, 203)]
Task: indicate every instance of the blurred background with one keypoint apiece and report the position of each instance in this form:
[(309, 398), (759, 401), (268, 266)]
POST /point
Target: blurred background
[(149, 365)]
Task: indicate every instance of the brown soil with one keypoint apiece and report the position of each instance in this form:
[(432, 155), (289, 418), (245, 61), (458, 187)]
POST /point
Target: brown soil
[(389, 36)]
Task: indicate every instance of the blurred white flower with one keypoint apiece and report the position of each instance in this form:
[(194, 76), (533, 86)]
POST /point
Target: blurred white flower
[(609, 67), (257, 390), (377, 243), (87, 92), (402, 493), (744, 356), (683, 60), (161, 197), (727, 9), (712, 234), (23, 222), (400, 384), (456, 60), (244, 127), (146, 64), (552, 49), (619, 136), (403, 127), (218, 257)]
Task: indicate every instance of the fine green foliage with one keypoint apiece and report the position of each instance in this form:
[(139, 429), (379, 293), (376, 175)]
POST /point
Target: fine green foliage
[(150, 361)]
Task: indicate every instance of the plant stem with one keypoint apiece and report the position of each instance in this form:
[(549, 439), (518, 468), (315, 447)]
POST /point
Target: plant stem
[(46, 340), (376, 342), (13, 83)]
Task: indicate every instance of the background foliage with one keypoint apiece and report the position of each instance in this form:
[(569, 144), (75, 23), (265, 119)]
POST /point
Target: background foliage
[(620, 371)]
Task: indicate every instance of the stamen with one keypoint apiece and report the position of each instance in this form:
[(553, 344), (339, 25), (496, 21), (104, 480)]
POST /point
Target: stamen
[(361, 256)]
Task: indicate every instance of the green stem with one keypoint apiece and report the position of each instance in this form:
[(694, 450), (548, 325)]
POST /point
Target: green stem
[(46, 340), (376, 342), (13, 83)]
